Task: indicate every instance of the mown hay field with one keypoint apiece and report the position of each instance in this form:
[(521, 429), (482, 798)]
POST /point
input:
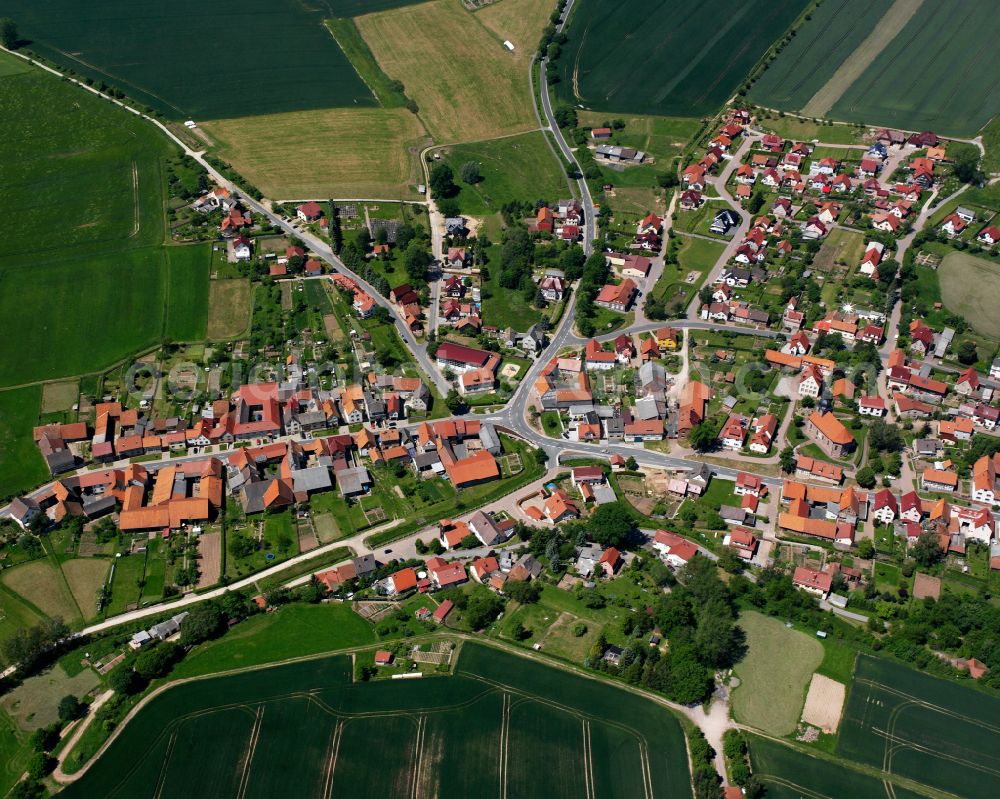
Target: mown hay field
[(339, 152), (201, 60), (969, 286), (42, 584), (503, 722), (467, 85), (85, 576), (774, 674), (228, 308), (520, 22), (675, 59), (926, 729)]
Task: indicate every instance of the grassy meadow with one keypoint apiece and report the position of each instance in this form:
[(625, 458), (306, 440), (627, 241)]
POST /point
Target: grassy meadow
[(514, 168), (21, 465), (774, 675)]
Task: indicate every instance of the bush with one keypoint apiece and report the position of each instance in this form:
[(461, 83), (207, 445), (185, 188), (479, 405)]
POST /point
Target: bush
[(70, 708)]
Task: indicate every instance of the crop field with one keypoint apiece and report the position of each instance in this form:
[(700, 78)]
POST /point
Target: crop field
[(922, 728), (792, 774), (968, 285), (823, 43), (774, 674), (467, 85), (99, 288), (514, 168), (337, 152), (21, 465), (905, 64), (279, 57), (503, 725), (665, 58)]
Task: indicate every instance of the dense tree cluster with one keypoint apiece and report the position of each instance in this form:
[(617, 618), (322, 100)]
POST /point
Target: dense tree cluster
[(699, 619), (29, 647)]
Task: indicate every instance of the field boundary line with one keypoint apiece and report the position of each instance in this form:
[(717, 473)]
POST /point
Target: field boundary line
[(162, 778), (806, 792), (331, 761), (504, 740), (418, 755), (251, 748), (647, 774)]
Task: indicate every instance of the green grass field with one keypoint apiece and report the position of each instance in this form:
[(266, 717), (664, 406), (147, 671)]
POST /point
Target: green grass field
[(21, 465), (98, 287), (774, 675), (682, 60), (923, 728), (503, 722), (85, 576), (659, 137), (822, 44), (792, 774), (292, 63), (968, 285), (42, 585), (293, 631), (515, 168)]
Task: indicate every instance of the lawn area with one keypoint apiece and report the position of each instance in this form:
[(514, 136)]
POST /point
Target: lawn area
[(125, 586), (503, 307), (14, 753), (15, 614), (228, 308), (35, 702), (514, 168), (21, 465), (774, 675), (291, 631), (467, 85), (694, 255)]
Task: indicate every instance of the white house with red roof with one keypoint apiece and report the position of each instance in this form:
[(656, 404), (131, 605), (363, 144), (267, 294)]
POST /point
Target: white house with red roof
[(871, 406), (884, 506), (309, 212), (747, 483), (673, 549), (813, 581)]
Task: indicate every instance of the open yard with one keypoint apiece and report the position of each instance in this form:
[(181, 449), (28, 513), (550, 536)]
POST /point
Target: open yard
[(515, 168), (661, 138), (284, 59), (35, 702), (774, 675), (968, 287), (923, 728), (501, 724), (325, 153), (685, 62), (467, 85)]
